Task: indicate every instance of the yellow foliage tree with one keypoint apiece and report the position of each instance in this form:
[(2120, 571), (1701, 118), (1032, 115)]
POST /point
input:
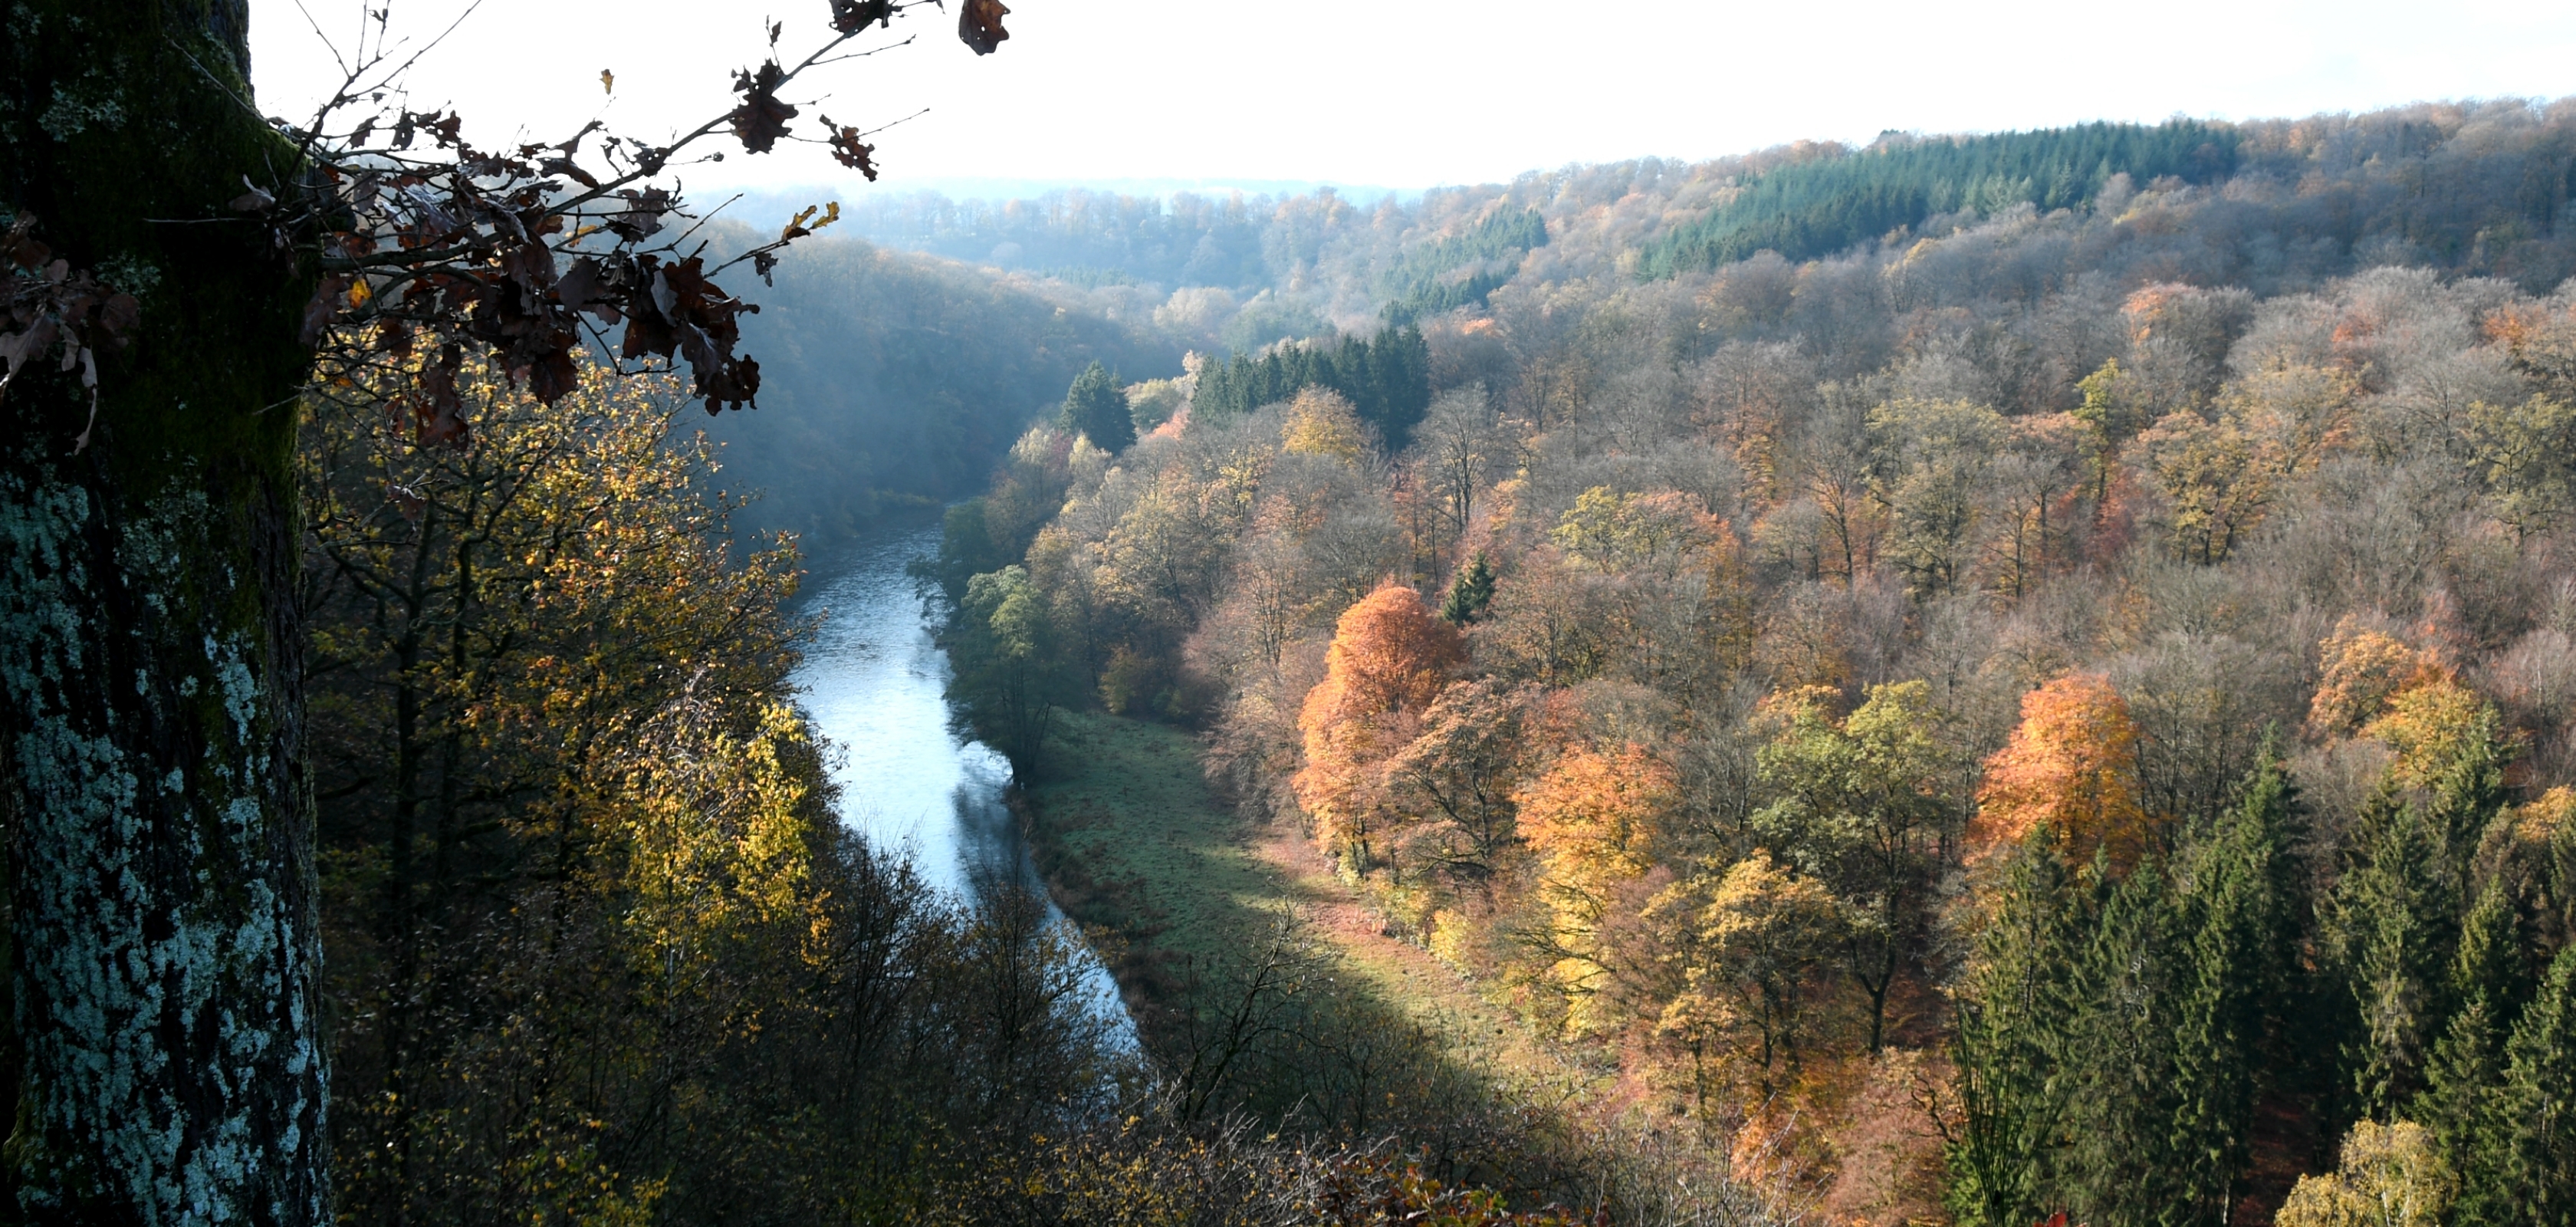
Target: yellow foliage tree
[(2392, 1176), (1591, 819), (1321, 423), (1755, 941), (2431, 726), (2072, 764), (2361, 670), (2216, 479), (1610, 531)]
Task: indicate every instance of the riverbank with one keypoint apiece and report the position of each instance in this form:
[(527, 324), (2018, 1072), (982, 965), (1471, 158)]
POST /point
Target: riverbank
[(1137, 847)]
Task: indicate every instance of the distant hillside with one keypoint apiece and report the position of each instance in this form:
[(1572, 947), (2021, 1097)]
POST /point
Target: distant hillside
[(1820, 206), (892, 380), (2467, 187), (897, 378)]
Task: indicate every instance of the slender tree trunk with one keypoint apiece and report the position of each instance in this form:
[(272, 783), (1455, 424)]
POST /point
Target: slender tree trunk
[(167, 1061)]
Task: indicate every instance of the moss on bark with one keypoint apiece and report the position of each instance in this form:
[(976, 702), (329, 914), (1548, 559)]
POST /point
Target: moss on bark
[(167, 1061)]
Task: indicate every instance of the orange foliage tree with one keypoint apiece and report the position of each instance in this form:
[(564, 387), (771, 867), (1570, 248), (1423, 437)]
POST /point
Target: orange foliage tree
[(2362, 670), (2072, 763), (1389, 660), (1591, 819)]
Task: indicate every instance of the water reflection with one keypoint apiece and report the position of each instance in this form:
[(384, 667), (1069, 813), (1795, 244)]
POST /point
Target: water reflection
[(875, 684)]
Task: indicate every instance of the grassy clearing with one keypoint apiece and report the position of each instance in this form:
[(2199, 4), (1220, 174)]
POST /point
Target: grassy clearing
[(1141, 850)]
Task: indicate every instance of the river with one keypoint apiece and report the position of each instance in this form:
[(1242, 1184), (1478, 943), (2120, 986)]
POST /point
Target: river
[(876, 686)]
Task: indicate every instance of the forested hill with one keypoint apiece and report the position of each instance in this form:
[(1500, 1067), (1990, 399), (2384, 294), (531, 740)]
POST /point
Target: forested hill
[(2274, 204), (1821, 205), (895, 377), (894, 381)]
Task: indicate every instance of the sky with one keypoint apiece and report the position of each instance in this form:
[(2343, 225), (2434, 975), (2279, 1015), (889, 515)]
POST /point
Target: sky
[(1410, 94)]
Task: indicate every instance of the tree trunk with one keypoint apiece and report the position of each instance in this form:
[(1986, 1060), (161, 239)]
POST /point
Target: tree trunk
[(166, 1060)]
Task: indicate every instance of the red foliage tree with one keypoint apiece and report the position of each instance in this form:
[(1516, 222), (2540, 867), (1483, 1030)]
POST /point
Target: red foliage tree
[(1389, 660)]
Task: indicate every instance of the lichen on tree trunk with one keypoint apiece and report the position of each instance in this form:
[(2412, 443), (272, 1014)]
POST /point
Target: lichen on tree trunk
[(165, 1053)]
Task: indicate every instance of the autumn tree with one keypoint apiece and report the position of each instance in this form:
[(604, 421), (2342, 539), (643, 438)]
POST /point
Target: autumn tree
[(541, 641), (1754, 938), (1462, 443), (1931, 472), (1591, 818), (2362, 669), (1389, 660), (1455, 779), (2027, 487), (2217, 482), (1658, 532), (1012, 671), (2391, 1175), (1321, 423), (2070, 767), (1862, 810), (2520, 452)]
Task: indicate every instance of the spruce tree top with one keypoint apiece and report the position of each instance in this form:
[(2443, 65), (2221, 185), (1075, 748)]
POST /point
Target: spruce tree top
[(1096, 406)]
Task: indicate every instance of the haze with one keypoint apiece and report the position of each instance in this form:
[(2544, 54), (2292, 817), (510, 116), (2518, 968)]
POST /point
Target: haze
[(1413, 95)]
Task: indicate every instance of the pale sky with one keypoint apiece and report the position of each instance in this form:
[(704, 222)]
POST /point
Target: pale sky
[(1411, 94)]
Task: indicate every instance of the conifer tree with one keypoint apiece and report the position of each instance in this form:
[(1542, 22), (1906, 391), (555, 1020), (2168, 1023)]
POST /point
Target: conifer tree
[(2390, 931), (2241, 924), (1470, 593), (1096, 406), (2525, 1171), (2488, 981), (2011, 1036), (2121, 1063)]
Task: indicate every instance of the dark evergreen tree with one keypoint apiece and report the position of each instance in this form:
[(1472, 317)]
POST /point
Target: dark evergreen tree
[(1096, 407), (1817, 207), (1423, 284), (2111, 1045), (2469, 793), (2012, 1035), (2121, 1064), (1387, 379), (2489, 979), (2390, 930), (1470, 593), (2238, 910), (2526, 1171)]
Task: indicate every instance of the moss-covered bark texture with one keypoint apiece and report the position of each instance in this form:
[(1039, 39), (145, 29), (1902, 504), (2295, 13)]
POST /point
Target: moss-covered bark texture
[(164, 1056)]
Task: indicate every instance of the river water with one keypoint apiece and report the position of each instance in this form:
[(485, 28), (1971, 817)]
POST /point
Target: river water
[(876, 686)]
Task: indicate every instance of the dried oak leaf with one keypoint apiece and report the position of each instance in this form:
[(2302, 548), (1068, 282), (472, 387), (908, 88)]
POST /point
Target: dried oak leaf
[(566, 168), (324, 306), (852, 16), (21, 248), (979, 25), (642, 215), (581, 285), (762, 118), (438, 413), (118, 316), (852, 152)]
